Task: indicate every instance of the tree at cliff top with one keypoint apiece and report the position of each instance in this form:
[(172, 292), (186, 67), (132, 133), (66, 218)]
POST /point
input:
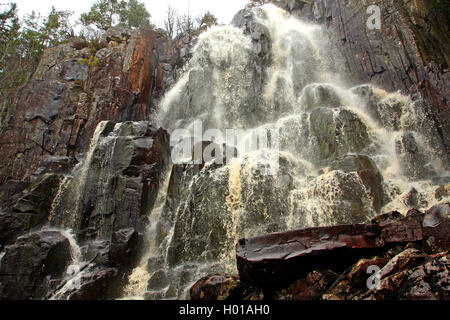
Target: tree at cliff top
[(9, 35), (206, 20), (254, 3), (105, 14), (135, 15), (39, 34)]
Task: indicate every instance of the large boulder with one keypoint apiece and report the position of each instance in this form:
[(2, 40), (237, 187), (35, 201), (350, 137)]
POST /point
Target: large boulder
[(336, 134), (124, 251), (275, 260), (33, 258), (117, 185), (411, 157)]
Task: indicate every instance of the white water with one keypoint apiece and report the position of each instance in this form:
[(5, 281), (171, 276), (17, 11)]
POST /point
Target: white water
[(303, 95), (319, 119)]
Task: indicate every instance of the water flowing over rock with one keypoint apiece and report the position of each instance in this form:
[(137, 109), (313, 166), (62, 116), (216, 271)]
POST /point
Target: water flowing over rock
[(59, 109), (409, 53), (336, 263), (125, 160), (89, 179), (347, 153), (106, 202)]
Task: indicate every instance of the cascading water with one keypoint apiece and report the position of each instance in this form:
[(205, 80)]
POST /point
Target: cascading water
[(105, 199), (346, 153), (67, 215)]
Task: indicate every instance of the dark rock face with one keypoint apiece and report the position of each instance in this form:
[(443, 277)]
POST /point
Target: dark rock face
[(336, 263), (32, 259), (125, 246), (216, 287), (270, 259), (417, 66), (39, 196), (28, 209), (126, 161), (223, 287)]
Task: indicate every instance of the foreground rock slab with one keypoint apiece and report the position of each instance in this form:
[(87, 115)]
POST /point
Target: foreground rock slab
[(394, 257), (274, 260)]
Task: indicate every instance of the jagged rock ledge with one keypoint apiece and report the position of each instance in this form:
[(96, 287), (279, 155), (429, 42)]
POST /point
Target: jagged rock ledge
[(333, 263)]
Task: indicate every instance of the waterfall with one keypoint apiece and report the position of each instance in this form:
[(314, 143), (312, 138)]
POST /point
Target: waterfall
[(346, 153), (66, 207)]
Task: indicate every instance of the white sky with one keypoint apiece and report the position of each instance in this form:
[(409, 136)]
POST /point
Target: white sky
[(224, 10)]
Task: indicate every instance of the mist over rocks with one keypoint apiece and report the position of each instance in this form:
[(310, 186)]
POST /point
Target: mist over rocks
[(87, 181), (335, 263)]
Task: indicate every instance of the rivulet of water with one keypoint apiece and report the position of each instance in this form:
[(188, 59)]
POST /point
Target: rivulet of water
[(345, 153)]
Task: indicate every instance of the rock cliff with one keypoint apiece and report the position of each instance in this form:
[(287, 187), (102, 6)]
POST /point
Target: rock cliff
[(91, 206), (77, 86), (409, 53)]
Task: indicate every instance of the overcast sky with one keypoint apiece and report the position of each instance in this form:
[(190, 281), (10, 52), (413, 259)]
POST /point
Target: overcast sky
[(224, 10)]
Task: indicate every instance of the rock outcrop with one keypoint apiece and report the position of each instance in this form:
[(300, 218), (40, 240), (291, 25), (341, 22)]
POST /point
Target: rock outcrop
[(409, 53), (409, 254), (76, 86), (54, 172)]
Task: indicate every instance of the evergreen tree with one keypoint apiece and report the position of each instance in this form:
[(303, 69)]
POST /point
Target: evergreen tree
[(105, 14), (9, 34), (207, 20), (135, 15)]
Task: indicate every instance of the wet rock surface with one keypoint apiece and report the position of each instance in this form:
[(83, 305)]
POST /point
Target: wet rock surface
[(418, 65), (32, 260), (337, 263), (80, 150), (127, 161)]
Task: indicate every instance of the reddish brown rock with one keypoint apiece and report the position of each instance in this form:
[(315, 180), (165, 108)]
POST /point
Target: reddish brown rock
[(278, 259), (223, 287), (310, 288), (413, 275), (73, 89), (214, 287)]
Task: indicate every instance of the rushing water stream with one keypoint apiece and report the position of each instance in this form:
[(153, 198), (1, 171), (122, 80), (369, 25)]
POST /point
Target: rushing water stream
[(346, 153)]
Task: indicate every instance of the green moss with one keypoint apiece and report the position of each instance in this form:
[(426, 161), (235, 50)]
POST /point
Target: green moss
[(91, 62)]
